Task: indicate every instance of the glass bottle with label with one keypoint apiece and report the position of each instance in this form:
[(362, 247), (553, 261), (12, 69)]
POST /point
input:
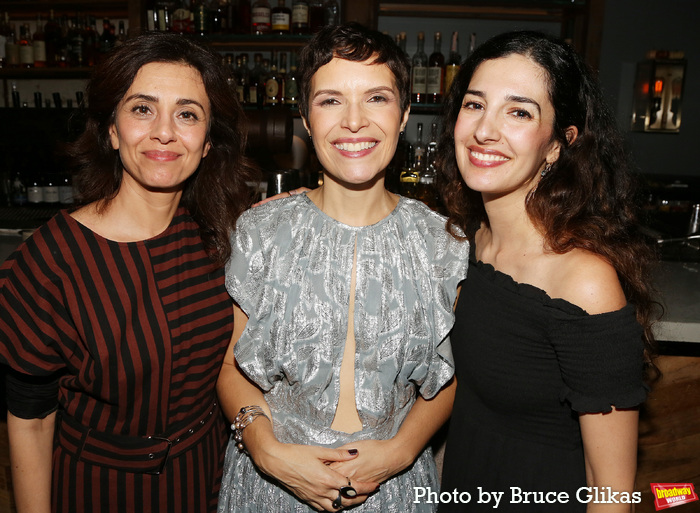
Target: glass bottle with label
[(419, 72), (300, 17), (291, 85), (454, 61), (19, 190), (281, 18), (272, 85), (180, 19), (65, 189), (282, 76), (11, 47), (35, 192), (436, 65), (26, 50), (256, 93), (39, 44), (52, 40), (49, 190), (260, 17)]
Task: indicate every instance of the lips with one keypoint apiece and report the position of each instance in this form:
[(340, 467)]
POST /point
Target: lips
[(486, 159), (354, 147), (162, 156)]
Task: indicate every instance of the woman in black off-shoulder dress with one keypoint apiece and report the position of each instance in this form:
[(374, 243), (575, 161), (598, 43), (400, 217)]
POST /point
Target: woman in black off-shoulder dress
[(553, 321)]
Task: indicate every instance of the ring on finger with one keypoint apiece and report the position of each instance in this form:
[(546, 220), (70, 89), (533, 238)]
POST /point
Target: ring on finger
[(348, 491), (338, 501)]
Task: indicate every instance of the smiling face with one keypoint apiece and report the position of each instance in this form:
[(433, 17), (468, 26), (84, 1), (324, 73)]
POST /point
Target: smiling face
[(161, 126), (503, 134), (354, 119)]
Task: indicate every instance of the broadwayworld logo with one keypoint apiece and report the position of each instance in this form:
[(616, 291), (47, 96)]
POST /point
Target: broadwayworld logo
[(668, 495)]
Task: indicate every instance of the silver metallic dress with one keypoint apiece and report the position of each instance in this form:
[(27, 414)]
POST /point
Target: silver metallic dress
[(290, 272)]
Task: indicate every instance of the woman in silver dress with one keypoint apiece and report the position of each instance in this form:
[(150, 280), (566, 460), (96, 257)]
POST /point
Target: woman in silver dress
[(340, 369)]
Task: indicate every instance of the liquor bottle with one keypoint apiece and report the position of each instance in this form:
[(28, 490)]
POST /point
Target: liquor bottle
[(436, 65), (472, 43), (239, 17), (454, 61), (392, 178), (401, 41), (255, 97), (300, 17), (52, 39), (409, 180), (35, 191), (419, 72), (26, 50), (11, 47), (241, 80), (74, 36), (15, 96), (244, 78), (107, 38), (219, 16), (49, 190), (65, 189), (91, 42), (260, 17), (291, 85), (331, 13), (431, 149), (39, 44), (262, 90), (200, 15), (120, 38), (282, 75), (272, 85), (425, 190), (180, 21), (419, 145), (315, 15), (4, 31), (281, 18), (19, 190)]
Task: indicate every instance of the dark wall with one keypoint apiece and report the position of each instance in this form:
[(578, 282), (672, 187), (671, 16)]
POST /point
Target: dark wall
[(631, 28)]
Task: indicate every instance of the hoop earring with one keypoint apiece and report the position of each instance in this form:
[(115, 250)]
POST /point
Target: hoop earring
[(547, 169)]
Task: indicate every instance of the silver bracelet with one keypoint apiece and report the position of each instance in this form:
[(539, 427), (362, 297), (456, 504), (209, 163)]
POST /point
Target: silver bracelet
[(245, 417)]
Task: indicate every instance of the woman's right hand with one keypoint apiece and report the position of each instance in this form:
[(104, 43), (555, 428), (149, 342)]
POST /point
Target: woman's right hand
[(304, 470)]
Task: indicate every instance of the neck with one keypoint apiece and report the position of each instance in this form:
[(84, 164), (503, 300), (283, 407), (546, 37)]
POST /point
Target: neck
[(135, 215), (510, 227), (354, 206)]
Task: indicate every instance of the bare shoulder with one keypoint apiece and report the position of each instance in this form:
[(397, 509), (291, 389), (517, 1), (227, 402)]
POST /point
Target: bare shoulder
[(588, 281)]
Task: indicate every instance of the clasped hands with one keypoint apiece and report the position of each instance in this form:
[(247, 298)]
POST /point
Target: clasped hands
[(315, 474)]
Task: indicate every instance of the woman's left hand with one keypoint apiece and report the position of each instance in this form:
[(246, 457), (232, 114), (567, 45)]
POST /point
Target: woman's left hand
[(293, 192), (378, 460)]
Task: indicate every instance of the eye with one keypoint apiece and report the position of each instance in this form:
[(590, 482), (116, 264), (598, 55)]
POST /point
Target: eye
[(472, 105), (189, 115), (378, 98), (328, 101), (522, 114), (141, 109)]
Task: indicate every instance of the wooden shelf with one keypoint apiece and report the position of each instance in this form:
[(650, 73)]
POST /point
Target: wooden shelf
[(100, 8), (44, 73), (251, 42)]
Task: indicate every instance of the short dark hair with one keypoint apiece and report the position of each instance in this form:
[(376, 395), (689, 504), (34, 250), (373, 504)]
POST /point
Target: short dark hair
[(217, 193), (353, 42)]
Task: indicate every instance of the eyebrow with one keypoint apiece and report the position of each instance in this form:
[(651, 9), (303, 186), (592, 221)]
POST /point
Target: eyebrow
[(379, 89), (153, 99), (510, 98)]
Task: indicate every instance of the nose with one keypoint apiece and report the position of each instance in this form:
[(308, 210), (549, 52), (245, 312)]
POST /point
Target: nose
[(163, 129), (487, 128), (354, 117)]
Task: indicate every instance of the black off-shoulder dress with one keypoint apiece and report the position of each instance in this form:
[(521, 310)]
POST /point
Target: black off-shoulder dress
[(526, 365)]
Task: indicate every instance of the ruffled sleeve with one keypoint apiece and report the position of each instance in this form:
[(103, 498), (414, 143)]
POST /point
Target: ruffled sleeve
[(246, 284), (446, 260), (601, 359)]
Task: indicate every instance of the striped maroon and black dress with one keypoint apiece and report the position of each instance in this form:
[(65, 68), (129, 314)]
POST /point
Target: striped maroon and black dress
[(132, 336)]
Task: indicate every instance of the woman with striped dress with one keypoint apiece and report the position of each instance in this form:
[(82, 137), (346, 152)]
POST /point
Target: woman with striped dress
[(114, 318)]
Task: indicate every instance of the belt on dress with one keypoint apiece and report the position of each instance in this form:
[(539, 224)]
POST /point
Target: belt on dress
[(137, 454)]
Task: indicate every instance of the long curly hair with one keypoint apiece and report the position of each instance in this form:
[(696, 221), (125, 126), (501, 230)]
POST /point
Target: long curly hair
[(217, 193), (589, 199)]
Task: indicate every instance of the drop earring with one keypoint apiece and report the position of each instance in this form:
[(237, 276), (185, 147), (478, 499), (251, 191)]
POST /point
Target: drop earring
[(546, 169)]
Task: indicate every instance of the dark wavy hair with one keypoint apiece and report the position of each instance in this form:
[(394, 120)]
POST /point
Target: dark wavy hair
[(588, 200), (217, 192), (353, 42)]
